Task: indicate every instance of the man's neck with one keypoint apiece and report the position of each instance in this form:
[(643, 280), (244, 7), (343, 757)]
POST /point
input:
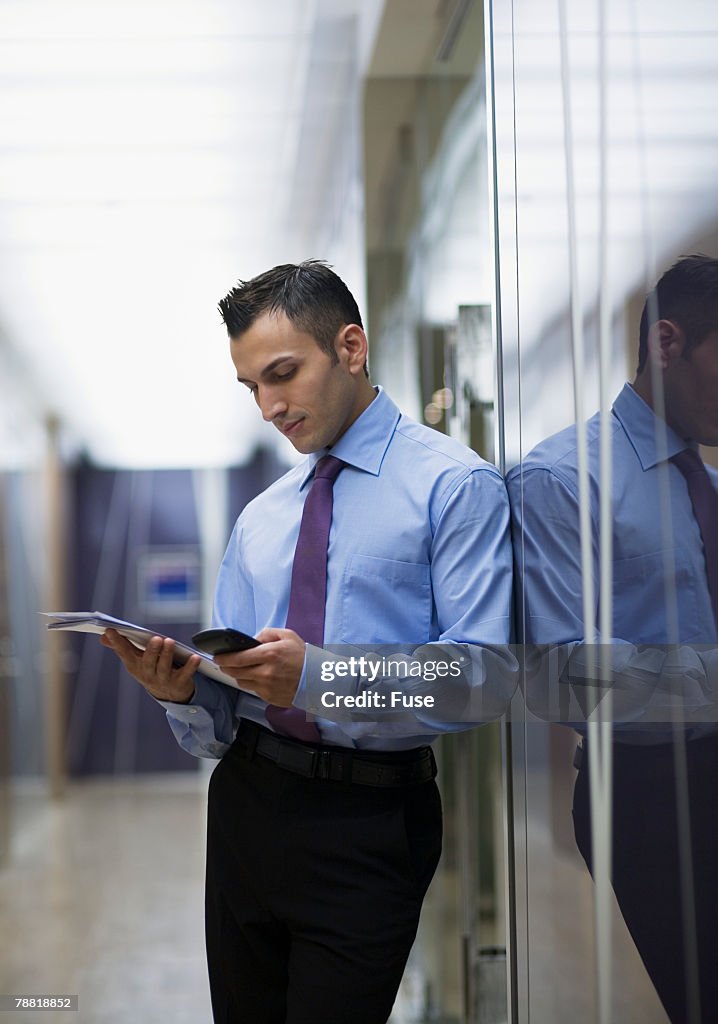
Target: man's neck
[(643, 388)]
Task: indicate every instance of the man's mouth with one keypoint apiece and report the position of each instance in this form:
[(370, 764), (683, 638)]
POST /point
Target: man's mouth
[(290, 427)]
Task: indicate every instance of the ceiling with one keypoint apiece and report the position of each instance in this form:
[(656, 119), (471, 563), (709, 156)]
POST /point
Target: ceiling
[(153, 153)]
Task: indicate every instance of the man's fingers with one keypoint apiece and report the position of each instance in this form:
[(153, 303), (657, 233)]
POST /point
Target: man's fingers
[(156, 659), (189, 668), (154, 667), (123, 648), (272, 670), (243, 660), (164, 652)]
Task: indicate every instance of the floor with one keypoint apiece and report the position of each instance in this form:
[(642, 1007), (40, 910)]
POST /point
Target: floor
[(102, 897)]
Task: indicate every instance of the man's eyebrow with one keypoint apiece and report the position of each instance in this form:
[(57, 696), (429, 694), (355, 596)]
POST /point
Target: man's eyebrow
[(267, 369)]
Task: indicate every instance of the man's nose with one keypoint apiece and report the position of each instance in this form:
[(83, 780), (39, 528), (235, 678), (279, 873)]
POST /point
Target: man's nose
[(271, 405)]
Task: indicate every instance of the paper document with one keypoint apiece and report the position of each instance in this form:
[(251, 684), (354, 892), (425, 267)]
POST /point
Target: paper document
[(98, 622)]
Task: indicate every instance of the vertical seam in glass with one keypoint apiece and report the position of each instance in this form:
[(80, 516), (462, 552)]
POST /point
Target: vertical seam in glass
[(600, 750)]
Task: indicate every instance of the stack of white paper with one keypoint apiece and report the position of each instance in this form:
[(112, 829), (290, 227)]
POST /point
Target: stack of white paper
[(140, 636)]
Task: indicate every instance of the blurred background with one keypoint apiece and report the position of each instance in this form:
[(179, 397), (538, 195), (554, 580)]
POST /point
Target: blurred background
[(152, 154)]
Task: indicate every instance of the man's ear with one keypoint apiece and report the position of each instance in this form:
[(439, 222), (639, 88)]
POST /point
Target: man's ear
[(666, 341), (352, 347)]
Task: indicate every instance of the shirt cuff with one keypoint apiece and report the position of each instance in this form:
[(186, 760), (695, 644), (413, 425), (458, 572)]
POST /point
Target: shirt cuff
[(300, 695), (205, 697), (205, 726), (317, 678)]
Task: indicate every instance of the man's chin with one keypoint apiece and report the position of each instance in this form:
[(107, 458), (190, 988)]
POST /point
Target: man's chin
[(298, 441), (303, 445)]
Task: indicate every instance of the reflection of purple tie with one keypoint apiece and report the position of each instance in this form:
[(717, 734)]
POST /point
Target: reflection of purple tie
[(307, 598), (704, 498)]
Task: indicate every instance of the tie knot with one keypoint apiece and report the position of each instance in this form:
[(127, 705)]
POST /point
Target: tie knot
[(328, 468), (689, 461)]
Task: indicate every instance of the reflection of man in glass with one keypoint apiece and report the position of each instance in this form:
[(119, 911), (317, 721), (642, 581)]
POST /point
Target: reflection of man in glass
[(665, 591)]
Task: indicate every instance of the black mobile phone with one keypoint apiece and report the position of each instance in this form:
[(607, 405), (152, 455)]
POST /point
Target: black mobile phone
[(223, 641)]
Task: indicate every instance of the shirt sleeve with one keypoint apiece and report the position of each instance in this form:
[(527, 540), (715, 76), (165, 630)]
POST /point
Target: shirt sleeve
[(564, 678), (547, 552), (205, 727), (470, 672)]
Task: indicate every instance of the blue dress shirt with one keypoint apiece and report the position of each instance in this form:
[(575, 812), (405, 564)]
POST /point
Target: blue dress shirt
[(660, 591), (419, 553)]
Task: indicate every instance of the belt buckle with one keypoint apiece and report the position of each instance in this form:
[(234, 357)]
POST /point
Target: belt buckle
[(321, 764)]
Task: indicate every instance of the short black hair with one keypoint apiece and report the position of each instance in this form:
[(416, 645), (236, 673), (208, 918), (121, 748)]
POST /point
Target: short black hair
[(687, 294), (310, 294)]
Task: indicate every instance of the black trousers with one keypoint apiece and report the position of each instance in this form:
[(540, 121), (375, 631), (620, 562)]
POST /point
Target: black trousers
[(647, 869), (313, 892)]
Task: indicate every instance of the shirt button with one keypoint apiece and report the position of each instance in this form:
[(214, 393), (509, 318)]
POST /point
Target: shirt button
[(193, 711)]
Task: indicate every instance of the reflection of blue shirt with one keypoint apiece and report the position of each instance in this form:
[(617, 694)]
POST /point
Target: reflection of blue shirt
[(660, 590), (419, 551)]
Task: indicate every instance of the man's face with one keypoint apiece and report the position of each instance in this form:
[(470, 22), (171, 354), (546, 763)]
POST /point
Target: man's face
[(297, 386), (691, 392)]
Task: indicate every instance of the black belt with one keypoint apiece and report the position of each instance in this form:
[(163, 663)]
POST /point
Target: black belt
[(366, 768)]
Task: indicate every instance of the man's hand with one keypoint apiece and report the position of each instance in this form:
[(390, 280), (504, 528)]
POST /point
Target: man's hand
[(154, 667), (272, 670)]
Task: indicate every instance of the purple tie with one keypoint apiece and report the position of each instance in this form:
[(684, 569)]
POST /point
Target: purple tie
[(704, 499), (308, 594)]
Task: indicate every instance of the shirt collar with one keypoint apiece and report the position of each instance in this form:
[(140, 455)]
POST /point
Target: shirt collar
[(652, 439), (364, 444)]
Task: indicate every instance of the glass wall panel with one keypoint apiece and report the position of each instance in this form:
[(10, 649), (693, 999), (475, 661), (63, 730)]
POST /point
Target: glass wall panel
[(605, 133)]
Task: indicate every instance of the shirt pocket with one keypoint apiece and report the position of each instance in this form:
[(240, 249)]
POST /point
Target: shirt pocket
[(386, 601), (643, 586)]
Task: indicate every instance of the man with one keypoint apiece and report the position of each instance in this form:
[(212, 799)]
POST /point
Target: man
[(324, 832), (665, 592)]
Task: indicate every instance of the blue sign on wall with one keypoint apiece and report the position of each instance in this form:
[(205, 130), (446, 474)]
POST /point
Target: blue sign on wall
[(168, 584)]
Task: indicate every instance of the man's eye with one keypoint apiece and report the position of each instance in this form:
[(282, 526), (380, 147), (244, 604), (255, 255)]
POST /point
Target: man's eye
[(285, 376)]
